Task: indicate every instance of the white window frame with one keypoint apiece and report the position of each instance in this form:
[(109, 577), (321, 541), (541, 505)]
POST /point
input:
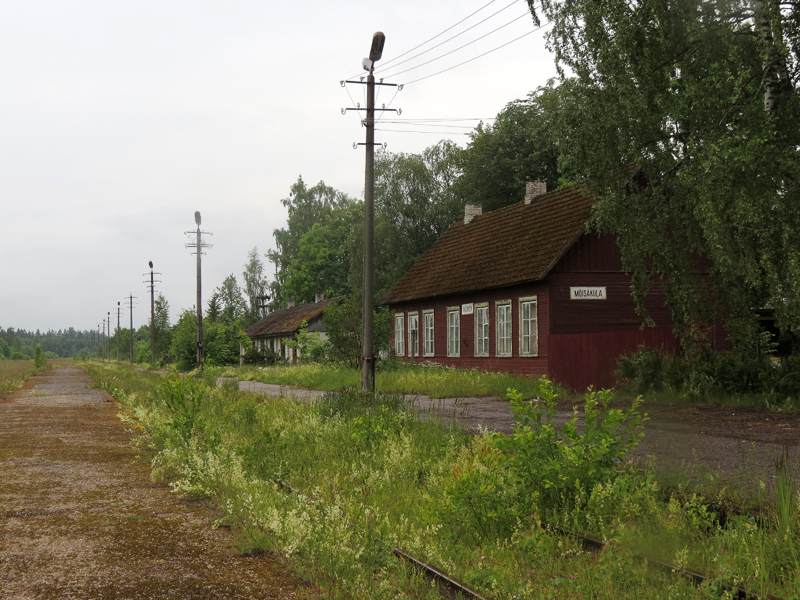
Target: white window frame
[(481, 311), (529, 326), (413, 328), (503, 343), (428, 333), (454, 331), (399, 335)]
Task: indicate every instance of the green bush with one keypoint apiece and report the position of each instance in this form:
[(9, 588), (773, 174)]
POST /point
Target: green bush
[(265, 358), (38, 357), (538, 469), (707, 373), (19, 356)]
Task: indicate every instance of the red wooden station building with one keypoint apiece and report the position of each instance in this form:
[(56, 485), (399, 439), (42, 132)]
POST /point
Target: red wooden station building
[(526, 290)]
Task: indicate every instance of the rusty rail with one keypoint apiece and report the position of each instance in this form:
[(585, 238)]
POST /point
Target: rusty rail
[(452, 588)]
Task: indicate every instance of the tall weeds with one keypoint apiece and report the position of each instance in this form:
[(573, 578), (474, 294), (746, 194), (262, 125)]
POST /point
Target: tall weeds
[(371, 474)]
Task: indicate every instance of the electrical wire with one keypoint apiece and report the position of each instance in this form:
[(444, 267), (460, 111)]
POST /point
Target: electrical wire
[(434, 37), (479, 56), (428, 124), (525, 14), (384, 66), (413, 131)]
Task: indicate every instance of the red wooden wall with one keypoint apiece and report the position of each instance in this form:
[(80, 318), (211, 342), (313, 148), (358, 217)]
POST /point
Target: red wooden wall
[(579, 360), (523, 365)]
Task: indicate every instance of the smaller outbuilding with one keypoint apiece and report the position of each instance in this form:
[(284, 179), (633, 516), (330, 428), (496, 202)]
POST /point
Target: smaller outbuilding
[(271, 331)]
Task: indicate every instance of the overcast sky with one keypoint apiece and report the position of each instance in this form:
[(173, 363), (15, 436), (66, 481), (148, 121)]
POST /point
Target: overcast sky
[(120, 119)]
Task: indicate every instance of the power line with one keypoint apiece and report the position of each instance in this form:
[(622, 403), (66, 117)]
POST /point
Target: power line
[(450, 38), (434, 37), (416, 131), (427, 124), (525, 14), (479, 56)]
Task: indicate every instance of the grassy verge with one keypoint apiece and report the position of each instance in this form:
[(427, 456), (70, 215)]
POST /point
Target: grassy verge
[(372, 473), (392, 378), (13, 373)]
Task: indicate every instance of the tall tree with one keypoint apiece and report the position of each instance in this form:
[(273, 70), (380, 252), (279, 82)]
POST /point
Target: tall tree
[(414, 205), (163, 328), (521, 145), (231, 299), (255, 286), (306, 206), (686, 127), (325, 255)]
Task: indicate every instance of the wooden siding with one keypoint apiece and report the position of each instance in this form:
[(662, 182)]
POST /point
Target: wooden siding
[(591, 254), (524, 365), (616, 313), (579, 360), (596, 261)]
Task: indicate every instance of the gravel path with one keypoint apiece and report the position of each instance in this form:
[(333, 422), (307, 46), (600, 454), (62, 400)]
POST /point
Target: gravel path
[(79, 518), (741, 444)]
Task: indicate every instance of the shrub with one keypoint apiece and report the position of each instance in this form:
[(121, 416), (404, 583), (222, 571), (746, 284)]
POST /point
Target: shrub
[(538, 469), (266, 357), (343, 324), (707, 372), (19, 356), (311, 348), (38, 357)]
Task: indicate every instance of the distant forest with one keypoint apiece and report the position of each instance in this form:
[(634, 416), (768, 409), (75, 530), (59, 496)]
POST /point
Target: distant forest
[(19, 344)]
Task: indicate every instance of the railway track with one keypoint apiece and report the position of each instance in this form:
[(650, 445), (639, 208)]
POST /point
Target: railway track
[(450, 587)]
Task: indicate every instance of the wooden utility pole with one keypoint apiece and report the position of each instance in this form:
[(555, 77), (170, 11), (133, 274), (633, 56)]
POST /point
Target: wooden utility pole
[(199, 244), (108, 339), (367, 349), (118, 309), (368, 352), (130, 307), (152, 286)]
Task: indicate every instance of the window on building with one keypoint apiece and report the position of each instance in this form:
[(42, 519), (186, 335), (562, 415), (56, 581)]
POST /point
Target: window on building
[(453, 331), (399, 336), (427, 333), (413, 334), (482, 329), (528, 327), (503, 328)]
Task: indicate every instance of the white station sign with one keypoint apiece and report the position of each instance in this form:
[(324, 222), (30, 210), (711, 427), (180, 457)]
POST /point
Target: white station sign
[(466, 309), (587, 293)]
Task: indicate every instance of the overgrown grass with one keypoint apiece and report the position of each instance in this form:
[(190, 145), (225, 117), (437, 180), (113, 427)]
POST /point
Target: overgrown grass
[(13, 373), (435, 381), (372, 474)]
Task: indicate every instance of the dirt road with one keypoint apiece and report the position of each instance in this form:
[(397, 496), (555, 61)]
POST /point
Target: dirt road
[(79, 518)]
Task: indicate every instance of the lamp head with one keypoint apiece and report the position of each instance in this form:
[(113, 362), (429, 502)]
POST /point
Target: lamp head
[(151, 264), (197, 217), (376, 51)]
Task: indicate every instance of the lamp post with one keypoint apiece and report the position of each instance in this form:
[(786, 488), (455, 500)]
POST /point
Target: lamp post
[(368, 351), (152, 316)]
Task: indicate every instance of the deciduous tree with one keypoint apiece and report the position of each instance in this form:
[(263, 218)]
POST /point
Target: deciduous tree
[(685, 124)]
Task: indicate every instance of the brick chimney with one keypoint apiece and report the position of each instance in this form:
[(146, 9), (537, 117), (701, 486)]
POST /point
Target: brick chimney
[(533, 189), (319, 297), (290, 303), (471, 211)]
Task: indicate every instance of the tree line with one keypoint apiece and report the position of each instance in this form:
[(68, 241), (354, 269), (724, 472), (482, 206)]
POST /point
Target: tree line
[(681, 120)]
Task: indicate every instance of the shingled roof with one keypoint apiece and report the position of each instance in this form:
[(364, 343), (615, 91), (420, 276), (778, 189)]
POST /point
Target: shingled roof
[(289, 320), (515, 244)]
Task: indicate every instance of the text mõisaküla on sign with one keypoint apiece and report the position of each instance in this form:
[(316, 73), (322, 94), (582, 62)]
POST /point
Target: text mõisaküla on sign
[(587, 293)]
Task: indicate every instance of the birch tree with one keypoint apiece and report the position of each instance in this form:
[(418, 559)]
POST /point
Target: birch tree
[(686, 126)]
